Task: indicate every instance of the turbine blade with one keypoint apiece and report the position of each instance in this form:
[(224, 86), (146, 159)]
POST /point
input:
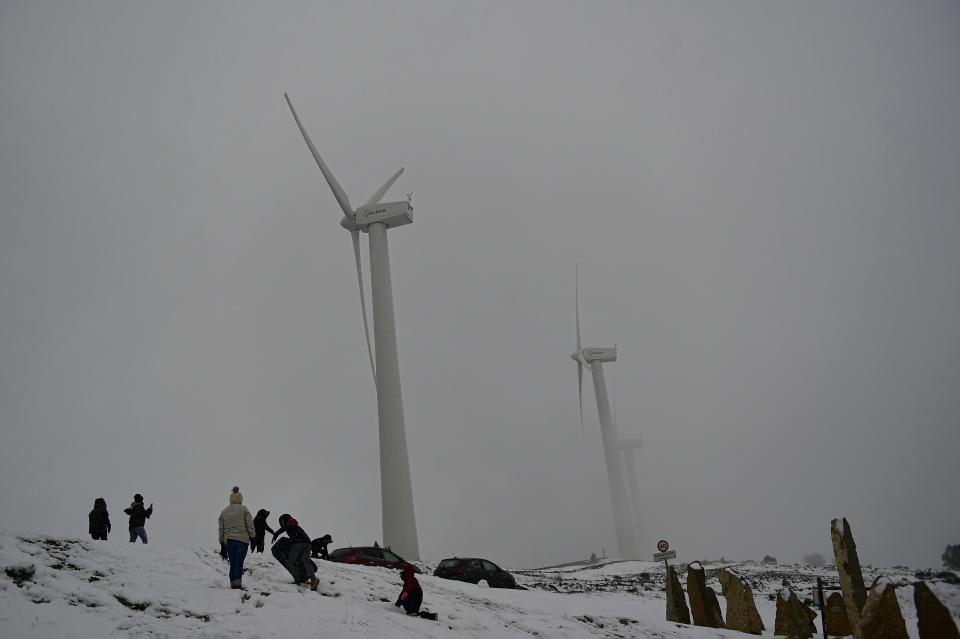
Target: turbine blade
[(338, 191), (580, 385), (355, 235), (376, 197), (576, 288)]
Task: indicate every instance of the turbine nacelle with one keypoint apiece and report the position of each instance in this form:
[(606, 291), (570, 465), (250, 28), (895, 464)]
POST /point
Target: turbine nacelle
[(390, 214), (590, 355)]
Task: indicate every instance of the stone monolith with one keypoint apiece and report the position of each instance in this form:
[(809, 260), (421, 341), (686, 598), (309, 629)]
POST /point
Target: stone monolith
[(676, 603), (933, 618), (881, 617), (794, 619), (742, 612), (851, 576), (836, 615), (704, 606)]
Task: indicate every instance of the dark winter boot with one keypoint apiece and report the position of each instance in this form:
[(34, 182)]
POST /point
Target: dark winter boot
[(235, 584), (314, 583)]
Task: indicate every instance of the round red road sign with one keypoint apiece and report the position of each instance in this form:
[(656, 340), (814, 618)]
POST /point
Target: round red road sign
[(662, 545)]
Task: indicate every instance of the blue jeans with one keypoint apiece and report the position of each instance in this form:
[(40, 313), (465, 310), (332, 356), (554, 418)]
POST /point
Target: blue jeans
[(236, 553), (140, 532)]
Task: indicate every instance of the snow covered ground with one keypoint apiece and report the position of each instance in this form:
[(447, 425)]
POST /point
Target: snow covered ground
[(54, 587)]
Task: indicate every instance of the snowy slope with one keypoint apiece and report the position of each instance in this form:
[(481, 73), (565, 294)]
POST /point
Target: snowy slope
[(67, 588)]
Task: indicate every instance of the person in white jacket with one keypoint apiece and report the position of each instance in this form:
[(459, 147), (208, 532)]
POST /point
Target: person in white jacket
[(236, 531)]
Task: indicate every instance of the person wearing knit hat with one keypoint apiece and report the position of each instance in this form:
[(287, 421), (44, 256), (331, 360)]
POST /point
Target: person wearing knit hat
[(138, 518), (236, 531)]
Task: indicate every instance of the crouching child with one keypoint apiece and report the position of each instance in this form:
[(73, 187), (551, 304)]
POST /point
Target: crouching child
[(411, 597)]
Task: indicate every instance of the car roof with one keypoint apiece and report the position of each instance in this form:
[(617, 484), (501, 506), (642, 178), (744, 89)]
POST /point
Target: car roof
[(468, 559), (365, 548)]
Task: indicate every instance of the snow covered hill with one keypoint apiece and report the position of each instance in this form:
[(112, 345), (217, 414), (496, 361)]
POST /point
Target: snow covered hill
[(53, 588)]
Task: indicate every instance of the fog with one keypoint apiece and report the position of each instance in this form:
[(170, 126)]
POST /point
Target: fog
[(763, 199)]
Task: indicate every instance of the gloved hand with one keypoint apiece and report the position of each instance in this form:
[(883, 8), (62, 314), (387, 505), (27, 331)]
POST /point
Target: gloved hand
[(223, 550), (403, 596)]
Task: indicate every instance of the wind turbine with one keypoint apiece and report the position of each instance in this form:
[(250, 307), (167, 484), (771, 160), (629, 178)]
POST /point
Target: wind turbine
[(595, 359), (627, 446), (374, 218)]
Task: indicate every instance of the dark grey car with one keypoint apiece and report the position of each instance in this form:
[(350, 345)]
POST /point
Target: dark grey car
[(473, 570)]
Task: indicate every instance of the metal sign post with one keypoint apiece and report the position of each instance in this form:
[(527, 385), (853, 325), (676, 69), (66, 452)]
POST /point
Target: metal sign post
[(819, 602), (664, 554)]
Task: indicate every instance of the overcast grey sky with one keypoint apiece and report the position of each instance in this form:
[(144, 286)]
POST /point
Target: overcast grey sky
[(764, 199)]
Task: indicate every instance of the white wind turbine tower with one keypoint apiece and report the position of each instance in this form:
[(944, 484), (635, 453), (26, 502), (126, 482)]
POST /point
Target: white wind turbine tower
[(374, 218), (627, 446), (595, 358)]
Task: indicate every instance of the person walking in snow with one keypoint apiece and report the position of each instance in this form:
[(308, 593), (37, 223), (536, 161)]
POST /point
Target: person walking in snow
[(236, 531), (412, 594), (261, 526), (299, 558), (99, 519), (138, 518)]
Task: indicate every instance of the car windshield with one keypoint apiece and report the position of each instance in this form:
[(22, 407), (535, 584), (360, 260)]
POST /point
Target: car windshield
[(392, 558), (341, 553), (449, 563)]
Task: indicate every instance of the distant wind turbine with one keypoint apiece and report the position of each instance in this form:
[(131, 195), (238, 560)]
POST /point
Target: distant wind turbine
[(595, 358), (374, 218)]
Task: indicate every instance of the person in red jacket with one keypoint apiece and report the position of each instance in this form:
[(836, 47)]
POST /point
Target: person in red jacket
[(412, 595)]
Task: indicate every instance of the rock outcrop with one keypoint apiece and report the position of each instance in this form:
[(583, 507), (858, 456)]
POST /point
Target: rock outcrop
[(742, 611), (851, 575), (794, 619), (933, 618), (836, 614), (704, 606), (881, 617), (676, 603)]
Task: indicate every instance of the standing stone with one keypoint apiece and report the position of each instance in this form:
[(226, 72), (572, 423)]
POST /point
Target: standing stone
[(851, 576), (794, 619), (881, 617), (713, 604), (676, 603), (933, 618), (704, 606), (742, 612), (836, 614)]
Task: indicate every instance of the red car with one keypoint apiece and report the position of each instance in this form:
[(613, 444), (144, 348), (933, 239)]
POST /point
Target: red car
[(371, 556)]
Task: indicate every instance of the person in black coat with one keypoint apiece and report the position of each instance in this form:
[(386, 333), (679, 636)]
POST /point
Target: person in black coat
[(260, 526), (138, 517), (318, 547), (99, 519), (299, 557)]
